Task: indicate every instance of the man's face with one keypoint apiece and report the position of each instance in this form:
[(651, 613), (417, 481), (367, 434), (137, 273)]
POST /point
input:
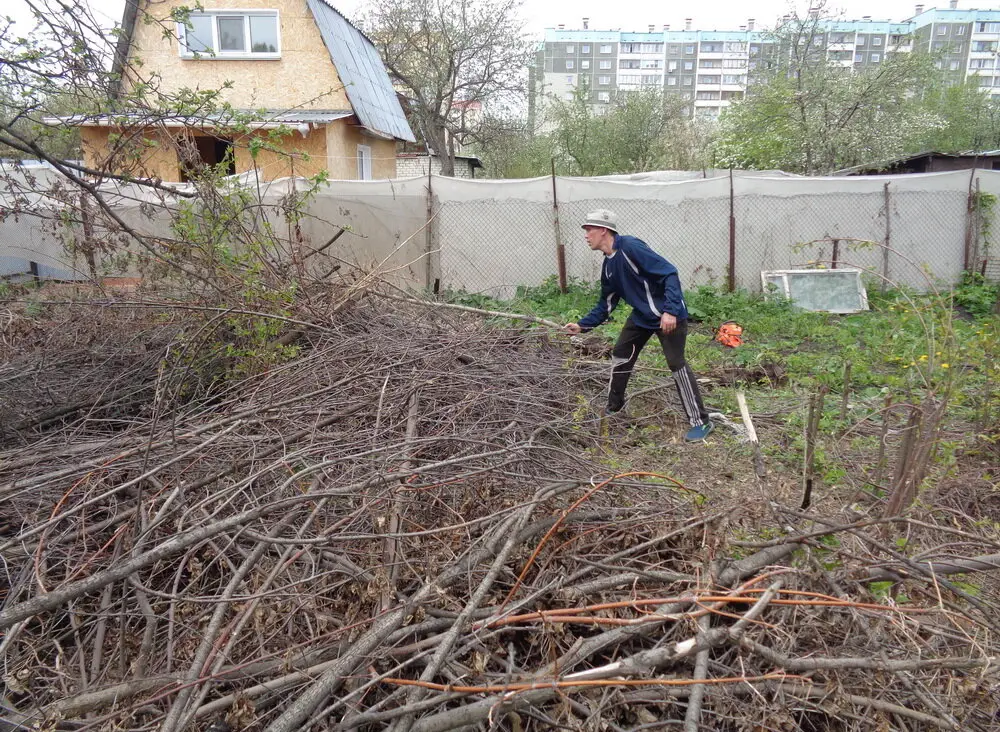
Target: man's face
[(595, 236)]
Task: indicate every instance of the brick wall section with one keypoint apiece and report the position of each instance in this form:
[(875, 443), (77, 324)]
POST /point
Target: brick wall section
[(413, 166)]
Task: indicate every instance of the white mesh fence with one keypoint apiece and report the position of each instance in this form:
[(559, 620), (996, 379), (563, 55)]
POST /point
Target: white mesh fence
[(491, 236)]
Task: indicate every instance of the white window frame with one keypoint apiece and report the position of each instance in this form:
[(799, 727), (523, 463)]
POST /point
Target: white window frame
[(942, 29), (960, 30), (585, 49), (216, 53), (571, 49), (606, 48), (603, 80), (604, 97), (605, 64), (876, 40), (585, 64), (569, 64), (364, 162), (875, 58)]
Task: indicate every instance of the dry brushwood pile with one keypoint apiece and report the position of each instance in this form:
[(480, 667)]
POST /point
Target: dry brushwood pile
[(416, 524)]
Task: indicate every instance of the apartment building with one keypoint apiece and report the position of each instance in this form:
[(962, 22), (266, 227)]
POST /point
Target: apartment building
[(711, 69)]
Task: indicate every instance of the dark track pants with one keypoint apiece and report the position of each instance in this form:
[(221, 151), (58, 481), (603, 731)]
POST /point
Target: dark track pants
[(626, 352)]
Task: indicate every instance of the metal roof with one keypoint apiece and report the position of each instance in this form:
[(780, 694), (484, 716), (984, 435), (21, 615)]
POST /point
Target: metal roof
[(365, 78)]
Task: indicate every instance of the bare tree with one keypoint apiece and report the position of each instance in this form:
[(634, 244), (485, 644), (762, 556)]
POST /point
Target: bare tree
[(450, 56)]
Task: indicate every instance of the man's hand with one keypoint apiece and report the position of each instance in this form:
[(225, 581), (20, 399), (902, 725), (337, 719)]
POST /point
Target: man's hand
[(667, 323), (572, 328)]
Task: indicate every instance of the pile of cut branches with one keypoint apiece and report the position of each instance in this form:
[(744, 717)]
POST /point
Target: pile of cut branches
[(412, 525)]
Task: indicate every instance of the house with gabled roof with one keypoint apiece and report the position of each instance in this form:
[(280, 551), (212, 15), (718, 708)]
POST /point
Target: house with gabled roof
[(287, 65)]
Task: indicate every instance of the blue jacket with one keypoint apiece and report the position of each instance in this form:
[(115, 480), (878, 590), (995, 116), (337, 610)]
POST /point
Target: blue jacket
[(647, 281)]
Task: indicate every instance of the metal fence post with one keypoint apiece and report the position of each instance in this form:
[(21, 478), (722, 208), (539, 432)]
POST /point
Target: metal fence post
[(888, 237), (732, 234), (560, 249), (429, 233), (970, 213)]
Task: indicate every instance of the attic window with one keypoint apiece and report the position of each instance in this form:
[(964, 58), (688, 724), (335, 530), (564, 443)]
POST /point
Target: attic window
[(230, 34)]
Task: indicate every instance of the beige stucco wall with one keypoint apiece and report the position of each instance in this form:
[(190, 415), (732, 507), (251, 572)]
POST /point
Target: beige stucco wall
[(304, 77), (144, 154), (342, 150), (301, 156)]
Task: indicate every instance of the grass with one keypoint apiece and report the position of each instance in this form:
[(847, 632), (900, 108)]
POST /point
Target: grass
[(907, 346)]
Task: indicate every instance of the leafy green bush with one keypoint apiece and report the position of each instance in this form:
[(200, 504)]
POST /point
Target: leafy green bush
[(977, 295)]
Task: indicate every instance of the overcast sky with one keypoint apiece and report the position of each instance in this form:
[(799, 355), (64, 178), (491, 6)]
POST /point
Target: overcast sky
[(628, 16)]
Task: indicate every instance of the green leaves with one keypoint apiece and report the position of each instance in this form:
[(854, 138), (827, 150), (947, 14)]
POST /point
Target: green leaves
[(806, 114)]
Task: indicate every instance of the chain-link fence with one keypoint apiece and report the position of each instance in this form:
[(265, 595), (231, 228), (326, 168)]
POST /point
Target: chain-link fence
[(492, 236)]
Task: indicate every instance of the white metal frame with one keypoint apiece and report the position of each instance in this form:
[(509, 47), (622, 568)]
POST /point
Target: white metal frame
[(766, 275), (217, 53)]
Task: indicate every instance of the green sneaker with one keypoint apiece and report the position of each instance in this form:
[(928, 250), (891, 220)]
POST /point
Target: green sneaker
[(699, 433)]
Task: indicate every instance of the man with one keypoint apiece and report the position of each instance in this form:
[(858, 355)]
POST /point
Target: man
[(650, 284)]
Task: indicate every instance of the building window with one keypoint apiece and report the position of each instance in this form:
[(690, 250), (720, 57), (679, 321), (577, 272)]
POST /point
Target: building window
[(605, 48), (671, 66), (709, 79), (689, 49), (568, 96), (364, 162), (953, 65), (708, 63), (984, 46), (605, 64), (626, 79), (876, 40), (942, 30), (960, 30), (703, 95), (687, 81), (603, 80), (585, 64), (689, 65), (652, 48), (604, 96), (569, 78), (569, 64), (584, 49), (736, 47), (876, 57), (671, 81), (858, 58), (734, 63), (244, 34), (674, 49), (570, 49), (711, 48), (731, 79), (987, 27)]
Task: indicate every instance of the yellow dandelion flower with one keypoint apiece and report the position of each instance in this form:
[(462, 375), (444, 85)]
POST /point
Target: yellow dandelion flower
[(924, 357), (944, 366)]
